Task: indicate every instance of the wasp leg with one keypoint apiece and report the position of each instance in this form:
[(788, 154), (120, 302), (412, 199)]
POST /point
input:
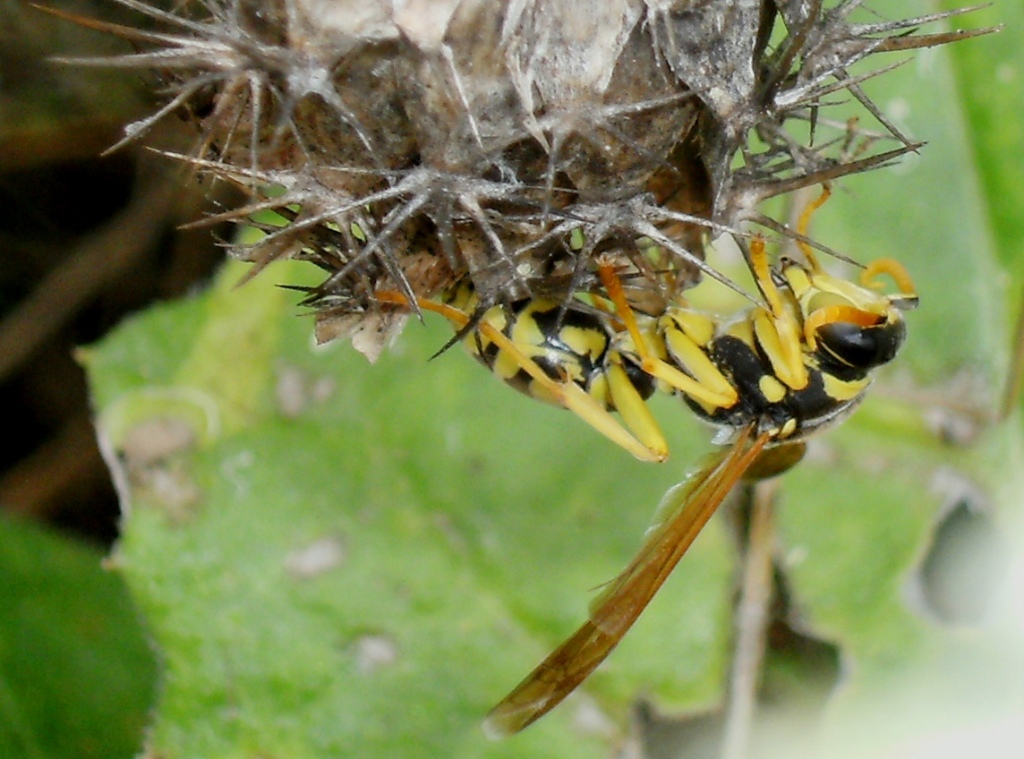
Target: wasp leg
[(804, 223), (890, 266), (567, 394), (636, 414), (897, 272), (777, 328), (709, 386)]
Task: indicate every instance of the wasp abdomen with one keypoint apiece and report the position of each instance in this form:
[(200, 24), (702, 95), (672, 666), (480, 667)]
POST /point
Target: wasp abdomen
[(566, 344)]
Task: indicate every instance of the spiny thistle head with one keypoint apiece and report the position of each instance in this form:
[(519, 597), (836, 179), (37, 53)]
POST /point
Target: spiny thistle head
[(408, 146)]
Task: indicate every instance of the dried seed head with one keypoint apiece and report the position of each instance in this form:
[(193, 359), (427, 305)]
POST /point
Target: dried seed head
[(405, 146)]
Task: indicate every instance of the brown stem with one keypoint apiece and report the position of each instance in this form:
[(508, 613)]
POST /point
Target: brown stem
[(751, 622)]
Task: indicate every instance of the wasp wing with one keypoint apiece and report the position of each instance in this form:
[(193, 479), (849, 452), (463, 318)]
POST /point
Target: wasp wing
[(681, 516), (685, 510)]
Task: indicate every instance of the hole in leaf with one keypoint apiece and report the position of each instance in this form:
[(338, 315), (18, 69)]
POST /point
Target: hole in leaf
[(665, 737), (962, 569), (800, 673)]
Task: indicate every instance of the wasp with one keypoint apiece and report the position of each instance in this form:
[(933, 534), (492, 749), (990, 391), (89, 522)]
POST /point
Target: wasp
[(767, 378)]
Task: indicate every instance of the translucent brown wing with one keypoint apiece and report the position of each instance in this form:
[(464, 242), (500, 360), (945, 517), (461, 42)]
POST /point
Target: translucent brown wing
[(684, 512)]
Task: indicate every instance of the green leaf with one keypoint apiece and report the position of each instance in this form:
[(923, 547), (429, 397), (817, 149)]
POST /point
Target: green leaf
[(987, 75), (373, 571), (76, 675)]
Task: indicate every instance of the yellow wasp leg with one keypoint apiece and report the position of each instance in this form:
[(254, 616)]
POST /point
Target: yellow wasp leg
[(716, 392), (636, 414), (896, 272), (777, 329), (569, 395), (804, 223), (657, 367)]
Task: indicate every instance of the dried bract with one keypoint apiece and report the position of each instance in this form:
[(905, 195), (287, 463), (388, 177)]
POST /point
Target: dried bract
[(407, 146)]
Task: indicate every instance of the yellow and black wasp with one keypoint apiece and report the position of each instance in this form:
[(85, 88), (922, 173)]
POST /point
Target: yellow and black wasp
[(766, 377)]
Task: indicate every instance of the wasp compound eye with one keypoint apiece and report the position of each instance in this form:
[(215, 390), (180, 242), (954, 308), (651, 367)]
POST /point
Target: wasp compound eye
[(861, 347)]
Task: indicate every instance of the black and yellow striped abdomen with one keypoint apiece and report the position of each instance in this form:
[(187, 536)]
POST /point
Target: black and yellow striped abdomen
[(567, 344)]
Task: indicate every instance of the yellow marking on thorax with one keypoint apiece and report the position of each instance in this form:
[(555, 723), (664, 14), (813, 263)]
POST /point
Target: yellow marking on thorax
[(773, 390)]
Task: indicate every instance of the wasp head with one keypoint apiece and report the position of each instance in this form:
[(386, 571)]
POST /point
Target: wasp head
[(851, 326)]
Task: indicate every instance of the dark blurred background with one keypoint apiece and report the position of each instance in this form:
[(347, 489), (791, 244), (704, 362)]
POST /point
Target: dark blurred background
[(85, 240)]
